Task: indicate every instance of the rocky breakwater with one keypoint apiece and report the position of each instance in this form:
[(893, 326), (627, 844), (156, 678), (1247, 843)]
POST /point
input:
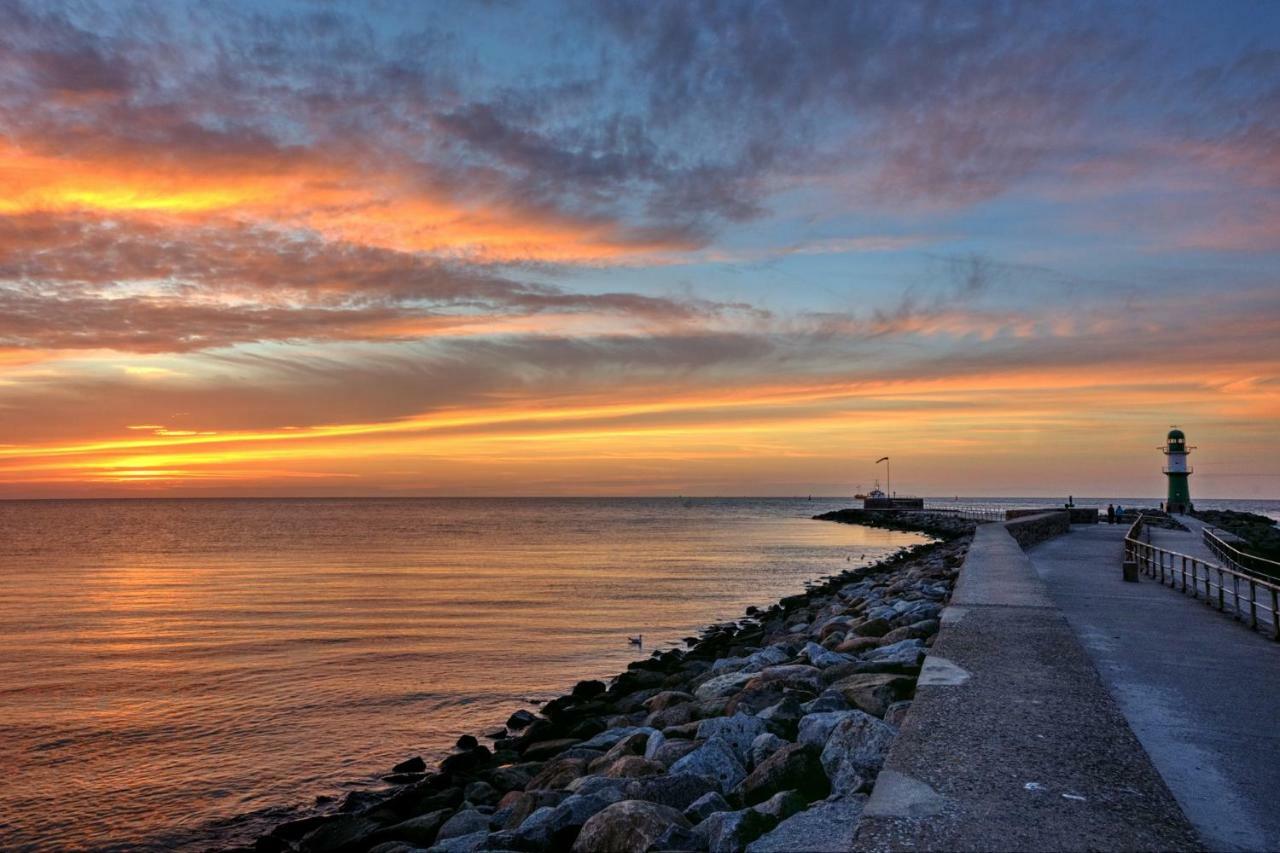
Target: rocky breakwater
[(764, 734)]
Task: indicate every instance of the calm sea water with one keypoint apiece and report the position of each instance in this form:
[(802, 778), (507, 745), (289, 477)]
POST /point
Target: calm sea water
[(181, 674)]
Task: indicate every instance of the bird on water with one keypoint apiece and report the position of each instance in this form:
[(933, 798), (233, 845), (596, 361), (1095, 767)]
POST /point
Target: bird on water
[(637, 640)]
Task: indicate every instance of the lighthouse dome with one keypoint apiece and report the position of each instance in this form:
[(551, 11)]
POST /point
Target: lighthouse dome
[(1176, 435)]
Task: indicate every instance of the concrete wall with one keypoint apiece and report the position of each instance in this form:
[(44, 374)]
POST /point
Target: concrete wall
[(1027, 530)]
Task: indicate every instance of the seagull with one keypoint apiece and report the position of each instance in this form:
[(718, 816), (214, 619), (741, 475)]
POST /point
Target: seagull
[(637, 640)]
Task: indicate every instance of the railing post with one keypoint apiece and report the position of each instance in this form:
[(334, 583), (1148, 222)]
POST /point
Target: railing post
[(1253, 604), (1235, 593), (1275, 613), (1184, 574), (1222, 592), (1195, 587)]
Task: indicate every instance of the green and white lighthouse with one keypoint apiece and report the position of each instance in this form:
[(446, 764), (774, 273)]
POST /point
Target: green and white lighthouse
[(1177, 470)]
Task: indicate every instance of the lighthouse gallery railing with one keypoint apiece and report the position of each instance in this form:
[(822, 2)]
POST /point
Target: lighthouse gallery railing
[(1241, 593)]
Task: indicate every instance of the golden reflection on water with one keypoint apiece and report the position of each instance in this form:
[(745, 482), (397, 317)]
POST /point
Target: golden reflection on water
[(165, 665)]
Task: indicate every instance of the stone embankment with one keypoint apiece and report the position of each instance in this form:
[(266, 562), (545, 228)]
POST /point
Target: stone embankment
[(763, 735)]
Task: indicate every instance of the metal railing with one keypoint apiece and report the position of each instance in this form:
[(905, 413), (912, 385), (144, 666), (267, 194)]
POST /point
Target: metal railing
[(1242, 594), (974, 513), (1268, 570)]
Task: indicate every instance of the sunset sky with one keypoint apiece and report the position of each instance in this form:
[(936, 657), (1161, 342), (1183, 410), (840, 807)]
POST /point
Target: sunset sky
[(637, 248)]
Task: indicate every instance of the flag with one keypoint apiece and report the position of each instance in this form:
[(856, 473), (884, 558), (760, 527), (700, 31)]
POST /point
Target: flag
[(882, 459)]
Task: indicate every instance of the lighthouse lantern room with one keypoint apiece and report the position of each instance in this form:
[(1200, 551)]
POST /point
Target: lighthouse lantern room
[(1177, 470)]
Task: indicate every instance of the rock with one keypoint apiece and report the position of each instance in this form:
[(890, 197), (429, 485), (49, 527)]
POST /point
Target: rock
[(826, 827), (344, 833), (873, 628), (512, 777), (854, 645), (464, 822), (671, 751), (544, 749), (782, 717), (632, 744), (705, 805), (466, 762), (520, 719), (557, 827), (608, 738), (828, 701), (467, 742), (874, 692), (815, 728), (904, 652), (602, 785), (557, 774), (723, 686), (738, 731), (855, 751), (666, 699), (729, 832), (716, 760), (629, 826), (822, 658), (677, 790), (518, 805), (633, 702), (677, 838), (410, 765), (763, 746), (782, 805), (896, 713), (460, 843), (481, 793), (588, 689), (676, 715), (793, 676), (634, 766), (653, 743), (420, 830), (384, 847), (794, 767)]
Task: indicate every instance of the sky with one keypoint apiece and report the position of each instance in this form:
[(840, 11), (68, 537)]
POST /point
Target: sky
[(651, 248)]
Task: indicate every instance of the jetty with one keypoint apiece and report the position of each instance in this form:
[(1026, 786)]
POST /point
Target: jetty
[(1063, 708)]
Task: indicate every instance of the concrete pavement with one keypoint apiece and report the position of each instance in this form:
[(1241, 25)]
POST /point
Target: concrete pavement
[(1201, 693)]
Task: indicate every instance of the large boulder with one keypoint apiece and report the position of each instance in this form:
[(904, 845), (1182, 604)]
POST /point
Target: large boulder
[(558, 826), (908, 652), (634, 766), (763, 746), (874, 692), (632, 744), (518, 805), (783, 805), (666, 699), (822, 658), (468, 843), (344, 833), (629, 826), (557, 774), (419, 831), (706, 805), (795, 767), (715, 760), (729, 832), (723, 685), (826, 827), (606, 739), (738, 731), (855, 752), (465, 822), (815, 728), (677, 790)]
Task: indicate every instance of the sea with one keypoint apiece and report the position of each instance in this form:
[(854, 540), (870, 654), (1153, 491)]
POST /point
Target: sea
[(185, 674)]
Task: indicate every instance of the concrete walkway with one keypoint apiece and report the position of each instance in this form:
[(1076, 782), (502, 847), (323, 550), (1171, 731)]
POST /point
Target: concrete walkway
[(1201, 692), (1189, 543), (1013, 742)]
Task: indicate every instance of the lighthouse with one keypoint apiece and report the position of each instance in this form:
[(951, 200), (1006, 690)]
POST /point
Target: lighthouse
[(1177, 470)]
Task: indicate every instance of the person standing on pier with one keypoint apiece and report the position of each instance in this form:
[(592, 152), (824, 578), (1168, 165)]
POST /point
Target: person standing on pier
[(1111, 513)]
